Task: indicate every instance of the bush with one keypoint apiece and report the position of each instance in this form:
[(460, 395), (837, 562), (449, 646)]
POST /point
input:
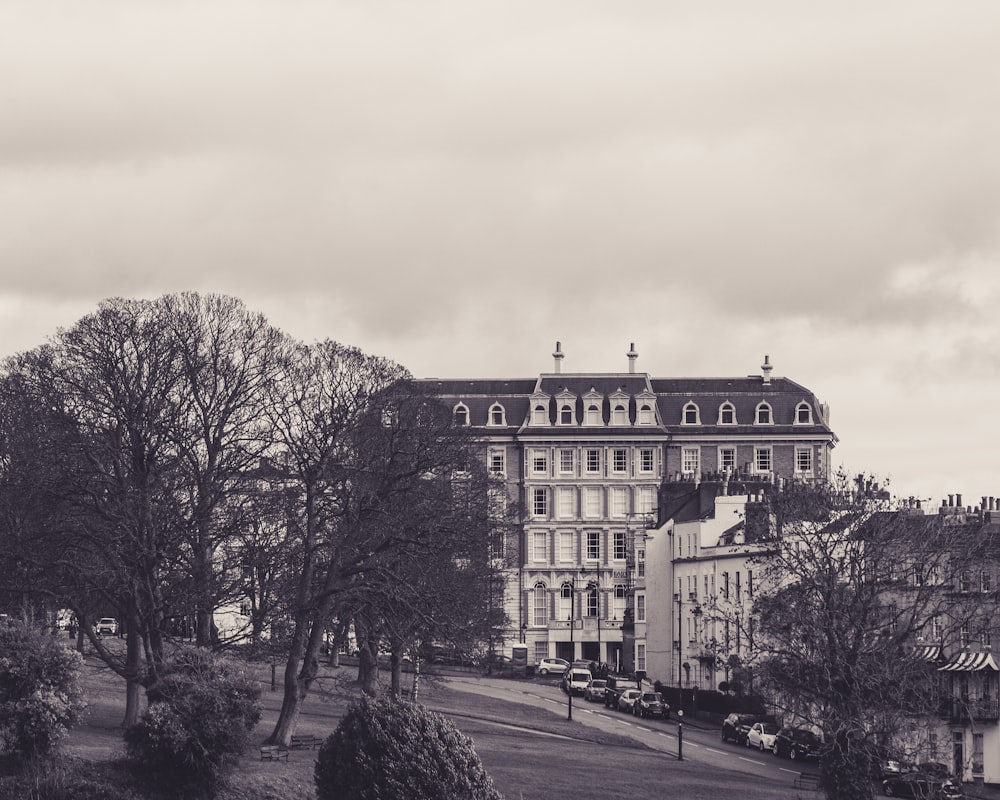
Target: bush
[(200, 715), (385, 749), (40, 694)]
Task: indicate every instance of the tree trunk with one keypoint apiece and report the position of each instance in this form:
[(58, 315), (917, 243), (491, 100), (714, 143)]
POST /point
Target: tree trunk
[(396, 673), (368, 667), (133, 680)]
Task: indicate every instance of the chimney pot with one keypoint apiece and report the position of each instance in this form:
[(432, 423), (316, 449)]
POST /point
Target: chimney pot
[(558, 357), (766, 369), (632, 356)]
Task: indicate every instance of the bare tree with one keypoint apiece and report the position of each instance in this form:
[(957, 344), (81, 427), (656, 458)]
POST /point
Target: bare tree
[(848, 588)]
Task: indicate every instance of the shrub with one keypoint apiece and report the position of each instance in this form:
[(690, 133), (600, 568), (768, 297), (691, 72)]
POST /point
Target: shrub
[(385, 749), (40, 694), (201, 712)]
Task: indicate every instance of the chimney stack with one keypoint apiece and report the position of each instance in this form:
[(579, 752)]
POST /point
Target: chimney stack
[(558, 356), (766, 368), (632, 356)]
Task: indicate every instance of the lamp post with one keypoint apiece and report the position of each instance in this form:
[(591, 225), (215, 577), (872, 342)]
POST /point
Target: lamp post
[(572, 647), (680, 734)]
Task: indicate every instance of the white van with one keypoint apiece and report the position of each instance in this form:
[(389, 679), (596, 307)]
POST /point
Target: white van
[(575, 680)]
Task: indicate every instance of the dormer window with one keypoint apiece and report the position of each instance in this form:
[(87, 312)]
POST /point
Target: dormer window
[(593, 415), (461, 414), (566, 415), (763, 415), (540, 414), (727, 414), (645, 414), (690, 415), (803, 414), (497, 415), (619, 415)]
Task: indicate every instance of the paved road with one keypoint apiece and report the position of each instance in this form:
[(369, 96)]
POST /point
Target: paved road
[(700, 745)]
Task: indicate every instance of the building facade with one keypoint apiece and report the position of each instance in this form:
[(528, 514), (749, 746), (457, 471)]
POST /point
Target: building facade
[(595, 460)]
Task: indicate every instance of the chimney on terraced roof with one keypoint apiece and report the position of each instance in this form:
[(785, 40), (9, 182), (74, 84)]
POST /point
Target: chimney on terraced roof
[(632, 356), (558, 356), (766, 368)]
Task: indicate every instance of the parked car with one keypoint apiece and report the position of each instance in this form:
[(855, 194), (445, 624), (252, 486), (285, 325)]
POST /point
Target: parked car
[(575, 680), (797, 744), (761, 735), (611, 695), (918, 784), (595, 690), (736, 726), (627, 699), (106, 626), (547, 665), (650, 704)]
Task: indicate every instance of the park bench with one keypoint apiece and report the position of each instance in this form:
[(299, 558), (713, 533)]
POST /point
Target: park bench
[(273, 752), (306, 742), (806, 781)]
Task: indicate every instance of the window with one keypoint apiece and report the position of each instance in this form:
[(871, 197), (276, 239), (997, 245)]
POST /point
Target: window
[(727, 459), (727, 414), (964, 581), (541, 650), (640, 606), (619, 545), (592, 500), (640, 656), (804, 460), (539, 548), (690, 415), (497, 415), (646, 460), (803, 414), (567, 548), (690, 460), (762, 459), (619, 502), (645, 414), (645, 500), (763, 415), (566, 461), (593, 461), (619, 415), (640, 563), (985, 581), (739, 592), (620, 602), (498, 464), (593, 414), (566, 415), (593, 602), (963, 635), (566, 601), (593, 545), (539, 462), (725, 585), (937, 628), (540, 502), (461, 414), (750, 583), (985, 634), (540, 606), (540, 415), (977, 754), (567, 502), (620, 460)]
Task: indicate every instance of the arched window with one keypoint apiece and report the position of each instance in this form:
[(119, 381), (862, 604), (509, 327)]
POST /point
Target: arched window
[(763, 414), (690, 415), (645, 414), (566, 609), (803, 414), (727, 414), (566, 415), (619, 415), (461, 414), (619, 609), (540, 605), (593, 414), (497, 415), (540, 415)]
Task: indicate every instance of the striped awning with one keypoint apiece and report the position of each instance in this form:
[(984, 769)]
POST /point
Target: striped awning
[(970, 662), (928, 652)]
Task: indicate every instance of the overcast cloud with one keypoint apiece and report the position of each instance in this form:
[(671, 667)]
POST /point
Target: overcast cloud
[(457, 185)]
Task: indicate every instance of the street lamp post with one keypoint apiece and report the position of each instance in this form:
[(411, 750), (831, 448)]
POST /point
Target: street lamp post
[(572, 647), (680, 734)]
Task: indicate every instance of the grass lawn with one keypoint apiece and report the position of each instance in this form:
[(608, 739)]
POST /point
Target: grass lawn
[(531, 753)]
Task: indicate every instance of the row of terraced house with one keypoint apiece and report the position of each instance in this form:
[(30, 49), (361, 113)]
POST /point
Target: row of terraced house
[(636, 491)]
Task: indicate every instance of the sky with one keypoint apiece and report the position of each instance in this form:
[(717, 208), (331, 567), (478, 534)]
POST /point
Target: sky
[(459, 185)]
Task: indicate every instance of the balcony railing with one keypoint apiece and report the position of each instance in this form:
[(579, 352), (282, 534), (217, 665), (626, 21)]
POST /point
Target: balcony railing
[(958, 709)]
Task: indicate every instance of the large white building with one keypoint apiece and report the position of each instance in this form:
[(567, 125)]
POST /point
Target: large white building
[(598, 459)]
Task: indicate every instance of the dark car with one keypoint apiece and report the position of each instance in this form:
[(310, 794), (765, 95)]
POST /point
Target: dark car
[(736, 726), (920, 785), (650, 704), (796, 743)]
